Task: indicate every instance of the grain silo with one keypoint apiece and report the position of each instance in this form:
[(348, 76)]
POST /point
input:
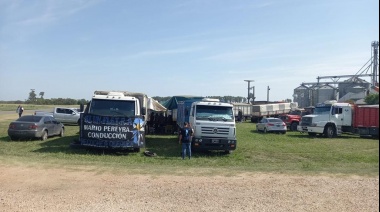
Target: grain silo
[(323, 93), (351, 86), (302, 96)]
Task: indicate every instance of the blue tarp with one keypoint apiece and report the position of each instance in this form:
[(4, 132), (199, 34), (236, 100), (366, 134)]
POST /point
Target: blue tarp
[(172, 103)]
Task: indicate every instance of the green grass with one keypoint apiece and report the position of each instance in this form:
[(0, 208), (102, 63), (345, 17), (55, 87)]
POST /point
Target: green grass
[(293, 153)]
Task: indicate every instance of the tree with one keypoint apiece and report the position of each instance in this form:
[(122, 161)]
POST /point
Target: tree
[(42, 94), (372, 99), (32, 96)]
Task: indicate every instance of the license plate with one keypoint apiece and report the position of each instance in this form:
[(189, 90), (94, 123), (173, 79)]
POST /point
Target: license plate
[(214, 141)]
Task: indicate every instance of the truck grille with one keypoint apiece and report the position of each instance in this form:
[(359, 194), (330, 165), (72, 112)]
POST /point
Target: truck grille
[(215, 131), (306, 121)]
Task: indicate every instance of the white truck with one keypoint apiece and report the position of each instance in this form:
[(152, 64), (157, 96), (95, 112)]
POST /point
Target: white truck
[(213, 123), (332, 118), (114, 120), (62, 114)]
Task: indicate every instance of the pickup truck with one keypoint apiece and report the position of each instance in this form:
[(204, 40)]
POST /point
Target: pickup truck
[(62, 114)]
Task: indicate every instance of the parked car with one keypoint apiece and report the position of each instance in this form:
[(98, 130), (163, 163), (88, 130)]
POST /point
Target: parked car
[(63, 114), (271, 125), (30, 126)]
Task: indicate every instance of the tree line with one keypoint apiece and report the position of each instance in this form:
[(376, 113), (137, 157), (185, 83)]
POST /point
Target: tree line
[(371, 99)]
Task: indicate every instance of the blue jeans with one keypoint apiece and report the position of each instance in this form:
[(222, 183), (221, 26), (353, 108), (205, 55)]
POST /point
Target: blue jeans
[(186, 147)]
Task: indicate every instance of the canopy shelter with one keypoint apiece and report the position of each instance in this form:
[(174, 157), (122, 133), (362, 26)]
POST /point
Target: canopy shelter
[(155, 105), (172, 103)]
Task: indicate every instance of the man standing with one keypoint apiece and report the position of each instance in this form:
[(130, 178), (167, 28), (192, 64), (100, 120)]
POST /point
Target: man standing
[(20, 110), (185, 138)]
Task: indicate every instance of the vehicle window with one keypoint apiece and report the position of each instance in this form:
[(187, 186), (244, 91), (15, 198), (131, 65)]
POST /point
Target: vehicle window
[(68, 111), (275, 120), (47, 120), (112, 107), (60, 110), (30, 118), (207, 112)]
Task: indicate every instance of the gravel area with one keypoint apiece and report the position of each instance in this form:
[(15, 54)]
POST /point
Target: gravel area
[(46, 189)]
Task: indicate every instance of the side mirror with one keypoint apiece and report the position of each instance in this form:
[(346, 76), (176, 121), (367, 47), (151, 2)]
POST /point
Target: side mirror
[(143, 112)]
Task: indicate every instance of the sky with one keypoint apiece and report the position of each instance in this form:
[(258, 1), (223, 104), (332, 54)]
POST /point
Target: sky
[(70, 48)]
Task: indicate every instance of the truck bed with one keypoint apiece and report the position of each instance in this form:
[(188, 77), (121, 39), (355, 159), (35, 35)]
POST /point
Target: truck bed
[(366, 116)]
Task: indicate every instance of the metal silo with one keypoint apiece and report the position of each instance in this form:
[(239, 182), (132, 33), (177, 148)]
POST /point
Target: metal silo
[(324, 93), (349, 85), (302, 96)]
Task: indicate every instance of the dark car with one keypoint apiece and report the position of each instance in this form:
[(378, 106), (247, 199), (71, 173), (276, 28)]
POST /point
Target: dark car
[(30, 126)]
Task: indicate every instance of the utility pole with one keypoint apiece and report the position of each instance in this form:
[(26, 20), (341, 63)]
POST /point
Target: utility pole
[(375, 47), (268, 94), (249, 88)]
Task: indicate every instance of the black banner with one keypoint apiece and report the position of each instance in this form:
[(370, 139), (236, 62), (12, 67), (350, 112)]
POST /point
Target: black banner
[(111, 131)]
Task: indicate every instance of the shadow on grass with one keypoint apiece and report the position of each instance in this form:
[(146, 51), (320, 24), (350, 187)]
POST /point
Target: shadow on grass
[(169, 147), (62, 145), (163, 146)]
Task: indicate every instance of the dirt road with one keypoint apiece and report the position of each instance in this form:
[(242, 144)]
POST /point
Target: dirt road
[(45, 189)]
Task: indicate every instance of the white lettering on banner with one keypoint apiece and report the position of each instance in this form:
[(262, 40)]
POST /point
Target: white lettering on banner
[(124, 129), (110, 128), (92, 127), (107, 135)]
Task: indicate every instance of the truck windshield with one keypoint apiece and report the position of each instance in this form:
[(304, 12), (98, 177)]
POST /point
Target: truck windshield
[(322, 110), (112, 107), (214, 113)]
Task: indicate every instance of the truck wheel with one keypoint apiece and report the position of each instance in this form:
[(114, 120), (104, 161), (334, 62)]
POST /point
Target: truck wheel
[(293, 126), (329, 132)]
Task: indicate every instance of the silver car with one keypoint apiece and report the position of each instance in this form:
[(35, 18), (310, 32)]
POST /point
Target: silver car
[(271, 125), (30, 126)]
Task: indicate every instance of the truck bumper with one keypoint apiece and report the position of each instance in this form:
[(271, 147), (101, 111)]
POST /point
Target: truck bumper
[(213, 144), (310, 129)]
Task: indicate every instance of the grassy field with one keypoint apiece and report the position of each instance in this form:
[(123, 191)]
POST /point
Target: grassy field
[(293, 153)]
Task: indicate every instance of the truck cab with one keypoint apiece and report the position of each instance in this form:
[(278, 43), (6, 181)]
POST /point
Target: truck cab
[(329, 119), (214, 125), (114, 120), (114, 104)]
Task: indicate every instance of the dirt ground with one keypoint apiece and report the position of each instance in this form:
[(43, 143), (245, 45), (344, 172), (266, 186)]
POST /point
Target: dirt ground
[(49, 189)]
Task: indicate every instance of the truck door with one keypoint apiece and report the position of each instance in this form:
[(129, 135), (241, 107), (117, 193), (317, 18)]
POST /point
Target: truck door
[(342, 116), (59, 114), (70, 116)]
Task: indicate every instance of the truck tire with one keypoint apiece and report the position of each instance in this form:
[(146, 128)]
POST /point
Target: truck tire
[(293, 126), (329, 132)]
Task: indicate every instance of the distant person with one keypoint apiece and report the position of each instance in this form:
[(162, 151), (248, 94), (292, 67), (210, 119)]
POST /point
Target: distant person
[(240, 116), (185, 139), (19, 110)]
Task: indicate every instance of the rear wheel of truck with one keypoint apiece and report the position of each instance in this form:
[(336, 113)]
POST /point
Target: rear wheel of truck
[(293, 126)]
